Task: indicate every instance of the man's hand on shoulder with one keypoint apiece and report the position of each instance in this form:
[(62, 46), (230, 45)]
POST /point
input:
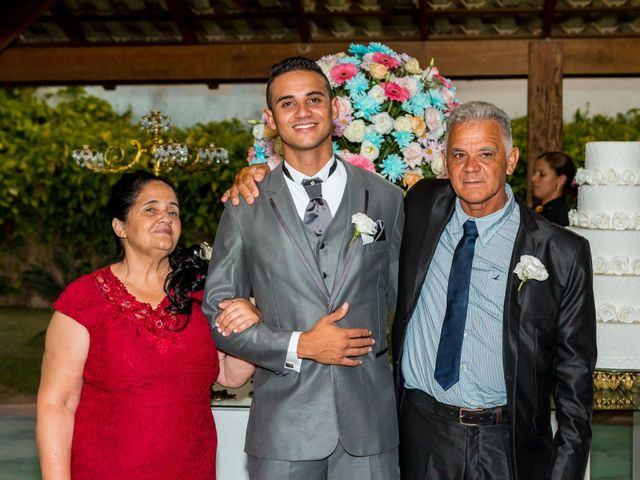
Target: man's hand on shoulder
[(245, 184), (332, 345)]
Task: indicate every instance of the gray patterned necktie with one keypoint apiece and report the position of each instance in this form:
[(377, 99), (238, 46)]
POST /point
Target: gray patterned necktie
[(317, 215)]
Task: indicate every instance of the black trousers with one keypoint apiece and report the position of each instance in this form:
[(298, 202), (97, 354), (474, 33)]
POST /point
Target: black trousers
[(433, 447)]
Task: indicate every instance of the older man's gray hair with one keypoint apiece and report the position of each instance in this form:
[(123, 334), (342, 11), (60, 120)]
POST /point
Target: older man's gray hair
[(472, 111)]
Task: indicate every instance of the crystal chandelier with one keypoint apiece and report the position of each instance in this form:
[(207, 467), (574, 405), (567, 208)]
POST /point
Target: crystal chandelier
[(163, 155)]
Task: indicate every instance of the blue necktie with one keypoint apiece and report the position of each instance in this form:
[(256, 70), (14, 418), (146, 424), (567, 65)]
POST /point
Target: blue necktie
[(447, 370)]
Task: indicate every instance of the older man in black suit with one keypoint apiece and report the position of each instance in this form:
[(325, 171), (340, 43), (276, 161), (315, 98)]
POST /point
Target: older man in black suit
[(495, 318)]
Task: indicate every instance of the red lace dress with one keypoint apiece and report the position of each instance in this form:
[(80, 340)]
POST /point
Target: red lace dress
[(144, 408)]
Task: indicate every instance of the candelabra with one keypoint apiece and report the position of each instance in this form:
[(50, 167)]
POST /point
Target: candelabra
[(164, 155)]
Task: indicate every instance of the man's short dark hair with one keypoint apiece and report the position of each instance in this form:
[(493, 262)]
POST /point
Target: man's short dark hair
[(294, 64)]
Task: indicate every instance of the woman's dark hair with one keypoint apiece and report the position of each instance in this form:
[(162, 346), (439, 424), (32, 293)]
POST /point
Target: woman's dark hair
[(562, 164), (188, 268)]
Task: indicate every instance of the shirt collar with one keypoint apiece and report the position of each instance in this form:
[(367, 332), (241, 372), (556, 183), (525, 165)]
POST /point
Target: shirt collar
[(323, 174), (487, 226)]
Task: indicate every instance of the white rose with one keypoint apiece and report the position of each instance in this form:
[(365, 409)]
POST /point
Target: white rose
[(437, 164), (636, 221), (627, 314), (619, 265), (620, 221), (573, 217), (407, 82), (584, 219), (593, 177), (344, 106), (606, 313), (377, 93), (635, 266), (581, 176), (364, 225), (411, 65), (432, 118), (258, 131), (403, 123), (369, 150), (600, 220), (382, 123), (354, 131), (412, 154), (630, 177), (611, 177), (367, 60), (530, 268), (600, 265)]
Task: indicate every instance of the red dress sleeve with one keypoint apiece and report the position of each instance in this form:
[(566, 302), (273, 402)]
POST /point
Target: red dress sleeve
[(78, 301)]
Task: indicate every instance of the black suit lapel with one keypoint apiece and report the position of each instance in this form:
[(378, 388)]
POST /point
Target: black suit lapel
[(437, 219), (526, 243)]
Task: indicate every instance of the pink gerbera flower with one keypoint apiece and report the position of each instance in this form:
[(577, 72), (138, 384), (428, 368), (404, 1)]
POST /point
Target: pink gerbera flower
[(360, 161), (395, 92), (386, 60), (343, 72)]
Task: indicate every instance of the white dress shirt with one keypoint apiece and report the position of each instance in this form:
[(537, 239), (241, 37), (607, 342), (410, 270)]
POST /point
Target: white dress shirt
[(333, 187)]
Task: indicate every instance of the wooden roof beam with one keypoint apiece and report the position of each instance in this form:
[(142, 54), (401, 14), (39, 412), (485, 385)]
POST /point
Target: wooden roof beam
[(233, 63), (68, 25), (175, 8), (15, 18)]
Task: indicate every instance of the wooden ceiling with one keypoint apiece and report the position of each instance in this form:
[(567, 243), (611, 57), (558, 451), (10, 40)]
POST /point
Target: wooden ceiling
[(212, 41)]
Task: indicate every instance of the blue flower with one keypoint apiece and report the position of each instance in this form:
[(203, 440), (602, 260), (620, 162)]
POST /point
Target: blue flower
[(374, 137), (379, 47), (357, 49), (364, 106), (393, 167), (357, 84), (436, 99), (402, 138), (353, 60), (336, 147)]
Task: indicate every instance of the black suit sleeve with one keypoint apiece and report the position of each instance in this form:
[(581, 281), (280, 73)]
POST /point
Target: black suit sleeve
[(575, 358)]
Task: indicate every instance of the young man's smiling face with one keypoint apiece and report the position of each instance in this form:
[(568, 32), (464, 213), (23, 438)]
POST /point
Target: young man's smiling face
[(302, 112)]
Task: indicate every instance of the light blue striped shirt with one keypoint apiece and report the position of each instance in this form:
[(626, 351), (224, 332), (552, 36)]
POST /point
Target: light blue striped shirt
[(481, 383)]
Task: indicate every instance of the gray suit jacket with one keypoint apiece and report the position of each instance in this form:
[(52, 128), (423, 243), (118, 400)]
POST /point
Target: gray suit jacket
[(262, 249)]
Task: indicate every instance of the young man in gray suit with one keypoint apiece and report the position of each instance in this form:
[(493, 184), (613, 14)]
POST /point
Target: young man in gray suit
[(323, 404)]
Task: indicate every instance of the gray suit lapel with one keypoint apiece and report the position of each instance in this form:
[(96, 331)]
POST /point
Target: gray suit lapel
[(284, 209), (356, 196)]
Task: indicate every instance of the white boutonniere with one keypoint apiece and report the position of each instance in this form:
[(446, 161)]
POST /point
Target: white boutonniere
[(530, 268), (205, 251), (365, 228)]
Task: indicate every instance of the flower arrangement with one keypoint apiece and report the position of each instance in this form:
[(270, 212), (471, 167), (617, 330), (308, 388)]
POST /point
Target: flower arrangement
[(392, 114)]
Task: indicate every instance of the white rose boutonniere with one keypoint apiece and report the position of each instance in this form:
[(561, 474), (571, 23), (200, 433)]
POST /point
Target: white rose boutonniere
[(365, 228), (530, 268)]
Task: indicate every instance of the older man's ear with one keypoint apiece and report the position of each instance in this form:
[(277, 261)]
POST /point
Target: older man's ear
[(512, 160), (245, 184)]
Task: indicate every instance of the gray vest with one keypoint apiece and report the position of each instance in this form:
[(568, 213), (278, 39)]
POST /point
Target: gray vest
[(326, 248)]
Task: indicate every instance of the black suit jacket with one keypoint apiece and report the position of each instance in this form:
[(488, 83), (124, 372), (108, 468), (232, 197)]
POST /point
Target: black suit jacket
[(549, 336)]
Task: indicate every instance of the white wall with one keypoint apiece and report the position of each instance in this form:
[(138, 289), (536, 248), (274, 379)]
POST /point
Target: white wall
[(188, 104)]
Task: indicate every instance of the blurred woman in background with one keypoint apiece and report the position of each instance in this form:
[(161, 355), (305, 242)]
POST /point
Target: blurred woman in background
[(552, 181)]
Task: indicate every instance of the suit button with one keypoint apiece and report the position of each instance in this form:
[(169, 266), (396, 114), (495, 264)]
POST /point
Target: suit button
[(324, 275), (321, 245)]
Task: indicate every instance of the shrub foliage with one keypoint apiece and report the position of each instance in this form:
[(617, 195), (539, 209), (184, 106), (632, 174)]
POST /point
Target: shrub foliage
[(48, 202)]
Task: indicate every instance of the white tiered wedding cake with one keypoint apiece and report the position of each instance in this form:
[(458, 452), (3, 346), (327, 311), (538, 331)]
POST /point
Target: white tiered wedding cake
[(608, 215)]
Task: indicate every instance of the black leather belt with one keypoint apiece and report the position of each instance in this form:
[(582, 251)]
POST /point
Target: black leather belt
[(471, 417)]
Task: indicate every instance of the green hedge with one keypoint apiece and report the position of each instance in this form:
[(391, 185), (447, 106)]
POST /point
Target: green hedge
[(47, 201), (582, 129)]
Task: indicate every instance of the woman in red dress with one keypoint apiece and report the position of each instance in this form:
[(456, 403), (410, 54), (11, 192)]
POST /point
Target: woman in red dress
[(129, 358)]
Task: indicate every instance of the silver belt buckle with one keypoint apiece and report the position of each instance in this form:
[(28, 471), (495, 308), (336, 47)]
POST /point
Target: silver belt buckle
[(469, 410)]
